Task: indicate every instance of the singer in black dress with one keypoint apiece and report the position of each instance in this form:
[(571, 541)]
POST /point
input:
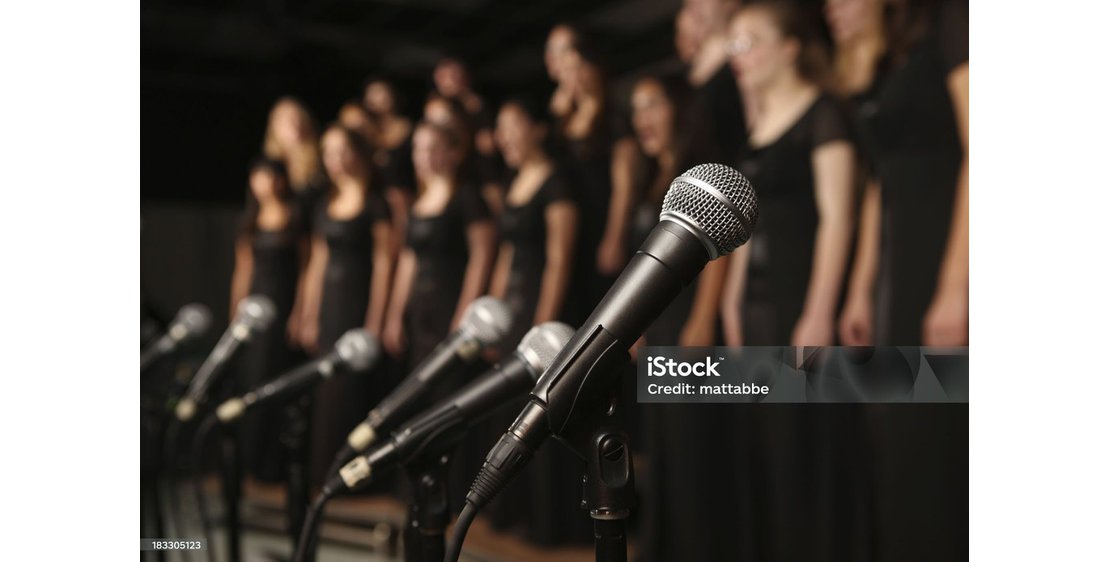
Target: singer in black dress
[(291, 138), (912, 118), (533, 275), (269, 256), (909, 283), (448, 250), (348, 278), (685, 489)]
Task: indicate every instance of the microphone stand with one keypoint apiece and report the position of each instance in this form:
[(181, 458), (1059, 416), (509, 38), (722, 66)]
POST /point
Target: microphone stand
[(231, 473), (293, 438), (608, 489), (428, 512)]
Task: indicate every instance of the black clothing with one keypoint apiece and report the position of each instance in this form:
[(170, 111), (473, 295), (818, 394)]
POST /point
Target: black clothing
[(542, 502), (782, 246), (440, 245), (276, 269), (719, 100), (909, 128), (341, 403)]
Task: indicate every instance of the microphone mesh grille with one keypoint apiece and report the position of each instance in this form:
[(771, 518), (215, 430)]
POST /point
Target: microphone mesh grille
[(543, 342), (195, 318), (488, 319), (256, 312), (358, 349), (726, 228)]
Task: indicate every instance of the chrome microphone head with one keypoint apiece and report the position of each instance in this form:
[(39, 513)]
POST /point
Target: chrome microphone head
[(358, 349), (716, 203), (192, 320), (542, 343), (256, 313), (487, 319)]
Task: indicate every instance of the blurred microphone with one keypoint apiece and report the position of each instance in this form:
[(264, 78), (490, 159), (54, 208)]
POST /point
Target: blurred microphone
[(445, 423), (485, 323), (254, 315), (191, 322), (355, 352), (708, 212)]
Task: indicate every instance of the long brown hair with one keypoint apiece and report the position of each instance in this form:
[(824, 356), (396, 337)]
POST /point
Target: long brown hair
[(303, 161), (802, 24)]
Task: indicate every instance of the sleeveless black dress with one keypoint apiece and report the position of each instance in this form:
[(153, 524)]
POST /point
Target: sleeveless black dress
[(782, 246), (541, 504), (341, 403), (440, 245), (276, 256)]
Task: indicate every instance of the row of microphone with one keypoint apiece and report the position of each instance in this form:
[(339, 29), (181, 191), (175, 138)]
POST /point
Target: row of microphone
[(708, 212)]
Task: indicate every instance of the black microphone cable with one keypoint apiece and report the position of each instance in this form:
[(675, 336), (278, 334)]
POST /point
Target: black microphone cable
[(196, 454)]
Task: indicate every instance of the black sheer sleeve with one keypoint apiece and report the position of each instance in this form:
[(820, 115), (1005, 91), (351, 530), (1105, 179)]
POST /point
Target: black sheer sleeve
[(829, 122)]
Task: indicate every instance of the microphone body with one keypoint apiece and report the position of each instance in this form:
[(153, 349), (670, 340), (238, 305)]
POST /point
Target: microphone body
[(255, 314), (191, 322), (708, 211), (446, 423), (485, 323), (355, 351)]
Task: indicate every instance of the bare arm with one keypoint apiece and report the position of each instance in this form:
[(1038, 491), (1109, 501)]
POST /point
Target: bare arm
[(611, 253), (833, 171), (701, 326), (481, 237), (313, 292), (856, 319), (295, 315), (562, 224), (946, 323), (244, 271), (393, 332), (732, 297), (383, 273), (499, 281)]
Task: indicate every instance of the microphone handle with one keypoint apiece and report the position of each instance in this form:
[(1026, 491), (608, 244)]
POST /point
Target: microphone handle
[(221, 354), (294, 381), (156, 351), (445, 423), (668, 260), (444, 359)]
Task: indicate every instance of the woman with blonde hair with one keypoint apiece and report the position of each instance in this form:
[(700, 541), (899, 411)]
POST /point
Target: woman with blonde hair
[(292, 139)]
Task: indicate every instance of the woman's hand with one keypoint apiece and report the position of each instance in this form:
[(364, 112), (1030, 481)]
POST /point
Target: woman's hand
[(946, 321), (855, 321), (310, 335), (293, 329), (393, 338), (610, 256), (813, 330), (698, 334)]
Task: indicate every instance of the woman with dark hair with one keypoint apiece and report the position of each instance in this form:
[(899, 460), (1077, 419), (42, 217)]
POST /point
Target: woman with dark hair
[(533, 276), (584, 139), (291, 138), (689, 472), (659, 107), (347, 285), (269, 256), (784, 284), (391, 149), (448, 251), (906, 70)]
